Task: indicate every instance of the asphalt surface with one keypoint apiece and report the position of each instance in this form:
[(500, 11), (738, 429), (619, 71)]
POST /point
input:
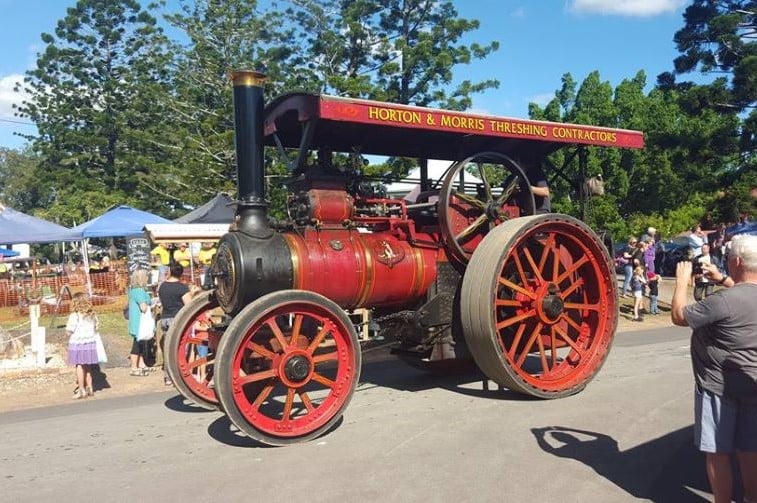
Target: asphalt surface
[(406, 436)]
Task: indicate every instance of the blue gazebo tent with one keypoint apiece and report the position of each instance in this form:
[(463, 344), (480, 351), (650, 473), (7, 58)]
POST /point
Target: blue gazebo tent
[(17, 227), (118, 222), (5, 252)]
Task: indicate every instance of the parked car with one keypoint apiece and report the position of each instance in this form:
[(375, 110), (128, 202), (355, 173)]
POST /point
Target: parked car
[(671, 252)]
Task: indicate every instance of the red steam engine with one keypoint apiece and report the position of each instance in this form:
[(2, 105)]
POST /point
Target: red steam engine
[(466, 270)]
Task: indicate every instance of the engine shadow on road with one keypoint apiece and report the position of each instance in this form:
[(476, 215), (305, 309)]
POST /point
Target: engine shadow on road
[(464, 378), (668, 468), (180, 404), (224, 431)]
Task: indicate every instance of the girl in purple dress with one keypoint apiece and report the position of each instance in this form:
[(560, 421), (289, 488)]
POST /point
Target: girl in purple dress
[(82, 343)]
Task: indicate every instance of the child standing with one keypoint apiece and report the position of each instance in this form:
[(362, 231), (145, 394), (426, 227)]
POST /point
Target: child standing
[(82, 346), (653, 281), (637, 286)]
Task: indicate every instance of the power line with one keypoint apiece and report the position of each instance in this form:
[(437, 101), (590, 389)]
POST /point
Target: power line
[(18, 122)]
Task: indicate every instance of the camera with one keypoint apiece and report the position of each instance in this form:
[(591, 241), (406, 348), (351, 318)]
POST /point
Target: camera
[(696, 267)]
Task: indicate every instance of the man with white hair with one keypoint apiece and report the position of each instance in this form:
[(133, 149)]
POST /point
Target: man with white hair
[(724, 357)]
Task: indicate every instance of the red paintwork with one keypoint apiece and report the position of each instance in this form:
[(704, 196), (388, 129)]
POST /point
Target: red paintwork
[(404, 116), (362, 270)]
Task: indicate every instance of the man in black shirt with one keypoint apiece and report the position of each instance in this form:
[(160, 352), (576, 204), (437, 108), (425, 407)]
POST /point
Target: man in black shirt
[(173, 294)]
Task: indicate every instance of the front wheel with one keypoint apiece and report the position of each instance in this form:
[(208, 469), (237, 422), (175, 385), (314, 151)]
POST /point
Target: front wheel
[(287, 367)]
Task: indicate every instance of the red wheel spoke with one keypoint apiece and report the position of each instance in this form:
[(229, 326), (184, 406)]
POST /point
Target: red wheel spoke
[(576, 305), (323, 380), (296, 327), (531, 263), (578, 283), (262, 396), (325, 357), (519, 267), (306, 400), (509, 284), (515, 319), (568, 340), (471, 228), (200, 361), (529, 345), (542, 355), (553, 342), (507, 303), (573, 268), (516, 341), (548, 246), (286, 414), (257, 376), (271, 322), (257, 348), (318, 339), (572, 323), (555, 264)]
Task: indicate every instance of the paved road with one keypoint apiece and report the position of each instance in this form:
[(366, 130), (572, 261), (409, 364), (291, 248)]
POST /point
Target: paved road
[(406, 436)]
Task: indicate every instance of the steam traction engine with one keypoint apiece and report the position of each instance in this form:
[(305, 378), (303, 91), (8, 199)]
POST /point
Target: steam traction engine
[(465, 270)]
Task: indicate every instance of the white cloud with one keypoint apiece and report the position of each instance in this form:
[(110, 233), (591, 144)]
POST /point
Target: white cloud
[(541, 99), (8, 96), (636, 8)]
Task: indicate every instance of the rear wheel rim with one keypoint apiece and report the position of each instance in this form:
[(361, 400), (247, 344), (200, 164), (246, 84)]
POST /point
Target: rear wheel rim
[(552, 308)]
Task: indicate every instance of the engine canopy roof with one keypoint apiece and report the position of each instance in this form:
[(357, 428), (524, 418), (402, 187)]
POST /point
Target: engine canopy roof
[(313, 121)]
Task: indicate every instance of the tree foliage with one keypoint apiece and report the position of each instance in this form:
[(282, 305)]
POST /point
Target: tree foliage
[(91, 97)]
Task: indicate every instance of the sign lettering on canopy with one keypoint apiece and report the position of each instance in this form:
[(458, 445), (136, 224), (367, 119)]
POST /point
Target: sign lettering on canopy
[(371, 112)]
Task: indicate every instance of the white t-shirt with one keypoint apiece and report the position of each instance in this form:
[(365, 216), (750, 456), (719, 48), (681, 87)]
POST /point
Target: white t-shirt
[(82, 329)]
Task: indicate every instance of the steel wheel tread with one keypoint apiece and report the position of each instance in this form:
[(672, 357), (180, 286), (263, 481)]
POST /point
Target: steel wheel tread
[(479, 293), (198, 393), (248, 367)]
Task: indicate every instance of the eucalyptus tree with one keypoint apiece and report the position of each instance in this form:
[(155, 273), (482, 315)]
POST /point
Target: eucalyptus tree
[(92, 98)]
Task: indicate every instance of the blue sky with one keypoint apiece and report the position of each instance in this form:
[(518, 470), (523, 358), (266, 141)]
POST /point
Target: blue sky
[(539, 42)]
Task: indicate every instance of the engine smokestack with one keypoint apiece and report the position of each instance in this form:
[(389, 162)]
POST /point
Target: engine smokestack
[(248, 139)]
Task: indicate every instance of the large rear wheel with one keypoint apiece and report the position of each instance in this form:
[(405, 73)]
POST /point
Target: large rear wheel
[(539, 305), (287, 367)]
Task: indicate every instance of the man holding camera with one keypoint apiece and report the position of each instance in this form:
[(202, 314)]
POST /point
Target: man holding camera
[(703, 287), (724, 358)]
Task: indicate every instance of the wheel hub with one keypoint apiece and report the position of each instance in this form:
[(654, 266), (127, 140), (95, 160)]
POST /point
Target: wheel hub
[(551, 306), (297, 368)]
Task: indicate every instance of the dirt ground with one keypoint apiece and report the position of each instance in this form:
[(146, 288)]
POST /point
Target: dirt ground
[(26, 387)]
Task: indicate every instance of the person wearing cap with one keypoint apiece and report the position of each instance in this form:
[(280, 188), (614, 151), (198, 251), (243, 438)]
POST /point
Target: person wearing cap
[(182, 255)]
